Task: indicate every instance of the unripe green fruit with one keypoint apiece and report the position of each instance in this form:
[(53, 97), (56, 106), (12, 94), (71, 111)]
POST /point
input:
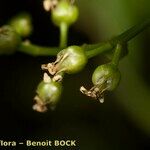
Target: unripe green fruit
[(75, 60), (107, 73), (49, 93), (9, 40), (64, 13), (22, 24)]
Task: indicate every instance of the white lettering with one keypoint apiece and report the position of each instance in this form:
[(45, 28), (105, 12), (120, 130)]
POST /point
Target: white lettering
[(65, 143), (38, 143), (7, 143)]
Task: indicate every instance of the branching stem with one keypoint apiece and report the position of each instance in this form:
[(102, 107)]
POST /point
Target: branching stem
[(36, 50), (91, 49), (126, 36)]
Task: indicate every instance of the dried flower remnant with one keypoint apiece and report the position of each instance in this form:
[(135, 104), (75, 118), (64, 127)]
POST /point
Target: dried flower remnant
[(94, 92), (49, 4)]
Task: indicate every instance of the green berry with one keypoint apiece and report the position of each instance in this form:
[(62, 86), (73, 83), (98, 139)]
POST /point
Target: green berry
[(9, 40), (22, 24), (64, 13), (75, 60), (48, 94), (107, 74)]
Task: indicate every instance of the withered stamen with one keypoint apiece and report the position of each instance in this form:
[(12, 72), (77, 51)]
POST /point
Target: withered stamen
[(39, 105), (53, 68), (97, 91)]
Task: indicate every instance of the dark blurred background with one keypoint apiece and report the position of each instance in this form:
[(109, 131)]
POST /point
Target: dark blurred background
[(122, 122)]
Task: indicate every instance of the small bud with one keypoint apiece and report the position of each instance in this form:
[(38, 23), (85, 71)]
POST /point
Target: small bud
[(22, 24), (48, 94), (105, 78), (70, 60), (9, 40), (64, 12)]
